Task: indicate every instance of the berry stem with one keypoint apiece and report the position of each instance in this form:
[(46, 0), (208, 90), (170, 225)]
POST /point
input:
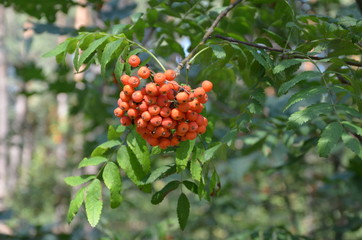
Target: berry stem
[(197, 54), (150, 53)]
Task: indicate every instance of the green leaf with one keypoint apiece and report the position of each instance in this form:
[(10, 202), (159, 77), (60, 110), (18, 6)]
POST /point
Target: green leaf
[(286, 64), (93, 202), (101, 149), (329, 138), (353, 127), (229, 138), (191, 186), (118, 71), (195, 169), (309, 113), (183, 154), (183, 210), (115, 132), (75, 204), (58, 49), (78, 180), (161, 172), (93, 161), (218, 51), (92, 47), (352, 143), (160, 195), (128, 161), (140, 149), (300, 77), (108, 52), (305, 94), (211, 152), (112, 179)]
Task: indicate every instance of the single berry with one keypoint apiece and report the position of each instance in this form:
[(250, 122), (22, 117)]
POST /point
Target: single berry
[(151, 89), (134, 81), (128, 90), (124, 79), (144, 72), (146, 116), (199, 92), (207, 85), (154, 110), (182, 97), (132, 113), (134, 61), (156, 121), (159, 78), (164, 89), (125, 121), (118, 112), (137, 96), (170, 74)]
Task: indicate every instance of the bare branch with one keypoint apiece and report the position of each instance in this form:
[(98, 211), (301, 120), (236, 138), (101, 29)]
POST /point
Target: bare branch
[(284, 51), (207, 35)]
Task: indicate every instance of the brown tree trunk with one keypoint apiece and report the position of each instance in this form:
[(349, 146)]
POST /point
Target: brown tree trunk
[(3, 110)]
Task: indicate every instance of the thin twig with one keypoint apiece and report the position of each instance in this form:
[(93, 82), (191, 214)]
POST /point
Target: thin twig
[(207, 35), (284, 51)]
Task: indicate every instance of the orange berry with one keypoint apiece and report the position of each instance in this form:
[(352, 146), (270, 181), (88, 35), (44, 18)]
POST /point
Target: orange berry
[(199, 92), (167, 133), (165, 112), (167, 122), (156, 121), (204, 98), (206, 122), (191, 135), (164, 89), (124, 97), (170, 74), (191, 97), (132, 113), (134, 61), (191, 115), (150, 99), (153, 141), (182, 97), (132, 104), (144, 72), (141, 123), (151, 89), (162, 100), (154, 110), (150, 127), (183, 127), (128, 90), (193, 126), (174, 141), (118, 112), (123, 105), (125, 121), (142, 107), (194, 104), (141, 130), (201, 129), (146, 116), (184, 107), (164, 143), (171, 93), (200, 120), (124, 79), (137, 96), (174, 85), (159, 78), (207, 85), (160, 131), (199, 108), (176, 114), (134, 81), (186, 88)]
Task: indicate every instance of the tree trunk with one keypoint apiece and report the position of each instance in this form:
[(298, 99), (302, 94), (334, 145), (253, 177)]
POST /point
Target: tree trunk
[(3, 109)]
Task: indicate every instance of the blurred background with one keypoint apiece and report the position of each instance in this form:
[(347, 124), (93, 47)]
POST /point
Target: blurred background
[(50, 118)]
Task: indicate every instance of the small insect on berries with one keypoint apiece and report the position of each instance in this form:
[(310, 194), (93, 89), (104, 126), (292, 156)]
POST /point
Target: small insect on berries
[(134, 61)]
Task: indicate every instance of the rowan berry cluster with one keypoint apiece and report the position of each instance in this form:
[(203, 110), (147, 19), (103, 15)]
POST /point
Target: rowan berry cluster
[(163, 111)]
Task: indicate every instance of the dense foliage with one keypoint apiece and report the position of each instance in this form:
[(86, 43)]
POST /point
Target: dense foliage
[(281, 157)]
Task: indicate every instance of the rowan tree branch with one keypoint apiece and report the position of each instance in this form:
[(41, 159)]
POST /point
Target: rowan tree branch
[(283, 51), (206, 35)]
